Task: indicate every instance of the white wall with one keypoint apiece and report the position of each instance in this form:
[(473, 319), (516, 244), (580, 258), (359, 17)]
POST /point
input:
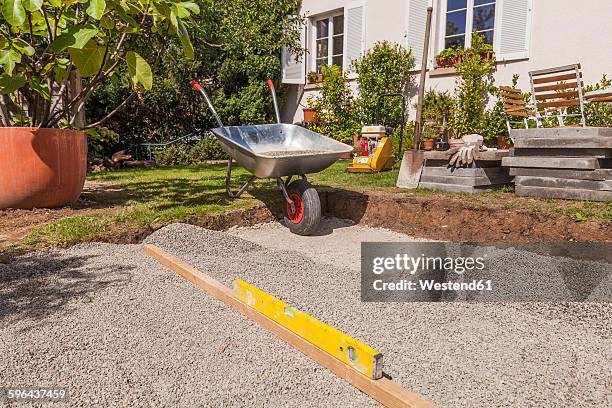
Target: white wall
[(562, 32)]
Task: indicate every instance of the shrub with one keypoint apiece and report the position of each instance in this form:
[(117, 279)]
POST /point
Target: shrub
[(475, 80), (437, 110), (208, 148), (334, 107), (383, 69)]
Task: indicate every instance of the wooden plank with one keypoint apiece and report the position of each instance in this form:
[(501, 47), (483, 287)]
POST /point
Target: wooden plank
[(466, 172), (599, 174), (554, 70), (352, 352), (557, 182), (564, 193), (383, 390), (556, 87), (555, 78), (514, 102), (563, 152), (557, 104), (580, 142), (557, 95), (467, 181), (522, 114), (551, 162), (510, 90)]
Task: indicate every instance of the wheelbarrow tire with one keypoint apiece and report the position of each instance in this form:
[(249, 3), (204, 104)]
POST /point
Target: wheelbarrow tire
[(307, 215)]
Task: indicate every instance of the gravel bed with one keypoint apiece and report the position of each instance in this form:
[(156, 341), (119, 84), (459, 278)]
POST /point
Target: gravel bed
[(290, 153), (119, 329)]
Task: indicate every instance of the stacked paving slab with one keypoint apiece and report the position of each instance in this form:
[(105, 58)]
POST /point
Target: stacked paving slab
[(569, 163), (484, 174)]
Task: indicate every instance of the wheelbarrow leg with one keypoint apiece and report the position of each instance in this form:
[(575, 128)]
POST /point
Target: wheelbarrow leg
[(227, 182), (281, 186)]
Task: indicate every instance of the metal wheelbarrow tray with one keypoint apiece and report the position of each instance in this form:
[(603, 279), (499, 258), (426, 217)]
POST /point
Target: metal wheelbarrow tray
[(280, 150)]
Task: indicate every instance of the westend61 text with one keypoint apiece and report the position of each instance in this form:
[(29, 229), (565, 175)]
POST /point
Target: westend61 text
[(429, 284)]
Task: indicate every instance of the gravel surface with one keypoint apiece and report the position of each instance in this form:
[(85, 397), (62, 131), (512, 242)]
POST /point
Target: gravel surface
[(120, 330)]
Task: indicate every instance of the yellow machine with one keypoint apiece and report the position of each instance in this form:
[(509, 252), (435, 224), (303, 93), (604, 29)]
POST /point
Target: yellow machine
[(375, 151)]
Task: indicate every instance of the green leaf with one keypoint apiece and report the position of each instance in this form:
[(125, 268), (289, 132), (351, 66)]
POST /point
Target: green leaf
[(9, 84), (40, 88), (139, 70), (24, 47), (8, 59), (107, 23), (88, 59), (32, 5), (75, 37), (96, 8), (184, 37), (14, 12), (194, 8), (55, 3)]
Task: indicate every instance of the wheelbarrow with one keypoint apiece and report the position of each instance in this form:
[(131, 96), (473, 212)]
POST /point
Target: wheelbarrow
[(276, 151)]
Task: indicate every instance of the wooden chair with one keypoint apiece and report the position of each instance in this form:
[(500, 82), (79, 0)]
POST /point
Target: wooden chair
[(515, 107), (554, 90)]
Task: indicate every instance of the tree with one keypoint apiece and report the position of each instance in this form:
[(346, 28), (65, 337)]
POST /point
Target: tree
[(237, 47), (47, 46)]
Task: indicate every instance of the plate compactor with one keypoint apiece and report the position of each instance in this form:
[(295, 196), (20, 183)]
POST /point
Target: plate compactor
[(375, 151), (375, 145)]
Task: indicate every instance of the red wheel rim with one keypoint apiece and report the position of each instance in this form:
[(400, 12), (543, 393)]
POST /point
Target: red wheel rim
[(297, 215)]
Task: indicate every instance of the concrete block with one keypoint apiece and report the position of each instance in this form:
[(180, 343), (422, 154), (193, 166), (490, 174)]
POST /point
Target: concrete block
[(555, 182), (552, 162), (565, 193), (466, 172), (579, 142), (562, 132), (545, 152), (467, 181), (455, 188), (599, 174)]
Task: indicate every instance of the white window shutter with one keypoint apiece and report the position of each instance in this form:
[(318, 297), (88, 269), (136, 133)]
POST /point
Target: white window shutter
[(514, 33), (354, 32), (294, 66), (415, 32)]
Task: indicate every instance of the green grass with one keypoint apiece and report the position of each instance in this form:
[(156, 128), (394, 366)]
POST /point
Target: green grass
[(151, 197)]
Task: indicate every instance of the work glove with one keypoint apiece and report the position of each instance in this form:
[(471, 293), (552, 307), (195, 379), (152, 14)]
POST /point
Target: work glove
[(465, 155)]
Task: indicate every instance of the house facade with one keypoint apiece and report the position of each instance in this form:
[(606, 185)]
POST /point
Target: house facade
[(526, 35)]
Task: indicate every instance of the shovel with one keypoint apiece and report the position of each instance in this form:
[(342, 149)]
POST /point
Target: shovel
[(413, 160)]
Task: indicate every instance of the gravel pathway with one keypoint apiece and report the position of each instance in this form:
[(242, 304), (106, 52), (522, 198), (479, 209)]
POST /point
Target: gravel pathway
[(120, 330)]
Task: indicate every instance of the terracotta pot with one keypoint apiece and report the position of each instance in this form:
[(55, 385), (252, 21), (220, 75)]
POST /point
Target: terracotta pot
[(319, 78), (309, 115), (428, 144), (41, 168), (502, 143)]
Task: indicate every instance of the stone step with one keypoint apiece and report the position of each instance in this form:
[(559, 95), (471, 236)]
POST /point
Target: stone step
[(565, 193), (561, 132), (555, 182), (466, 171), (578, 142), (455, 188), (599, 174), (554, 162), (547, 152), (467, 181)]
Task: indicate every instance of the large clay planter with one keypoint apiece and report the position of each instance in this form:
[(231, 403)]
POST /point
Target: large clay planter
[(41, 168)]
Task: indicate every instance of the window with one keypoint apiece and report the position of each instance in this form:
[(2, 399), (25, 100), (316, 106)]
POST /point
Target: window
[(329, 41), (463, 16)]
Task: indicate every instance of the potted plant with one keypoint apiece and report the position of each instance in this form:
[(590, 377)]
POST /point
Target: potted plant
[(448, 57), (54, 54), (312, 77), (429, 136)]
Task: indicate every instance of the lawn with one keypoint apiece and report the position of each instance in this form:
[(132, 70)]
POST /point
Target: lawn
[(129, 199)]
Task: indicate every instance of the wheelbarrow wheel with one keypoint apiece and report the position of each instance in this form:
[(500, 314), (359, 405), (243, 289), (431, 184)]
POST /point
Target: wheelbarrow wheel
[(304, 220)]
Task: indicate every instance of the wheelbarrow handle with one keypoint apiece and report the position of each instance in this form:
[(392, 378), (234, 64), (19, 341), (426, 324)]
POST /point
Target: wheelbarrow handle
[(196, 86), (273, 90)]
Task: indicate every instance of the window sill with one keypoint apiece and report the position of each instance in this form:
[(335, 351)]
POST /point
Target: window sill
[(310, 87), (441, 71)]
